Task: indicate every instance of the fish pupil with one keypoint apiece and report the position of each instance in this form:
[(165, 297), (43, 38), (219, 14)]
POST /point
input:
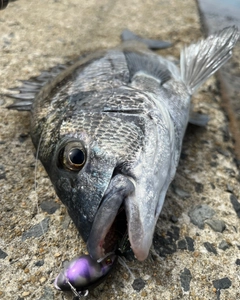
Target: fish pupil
[(76, 156)]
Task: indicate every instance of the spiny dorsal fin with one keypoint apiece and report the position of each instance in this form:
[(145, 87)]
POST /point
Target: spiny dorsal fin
[(128, 35), (30, 88)]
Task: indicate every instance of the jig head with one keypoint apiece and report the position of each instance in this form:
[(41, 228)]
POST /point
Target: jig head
[(83, 273)]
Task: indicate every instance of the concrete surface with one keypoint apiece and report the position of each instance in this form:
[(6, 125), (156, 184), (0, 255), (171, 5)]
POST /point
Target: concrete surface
[(187, 261)]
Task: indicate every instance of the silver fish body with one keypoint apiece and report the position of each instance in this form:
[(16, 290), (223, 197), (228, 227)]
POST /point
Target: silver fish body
[(109, 132)]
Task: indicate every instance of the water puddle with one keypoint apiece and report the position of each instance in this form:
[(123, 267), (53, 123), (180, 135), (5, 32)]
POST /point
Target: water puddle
[(220, 13)]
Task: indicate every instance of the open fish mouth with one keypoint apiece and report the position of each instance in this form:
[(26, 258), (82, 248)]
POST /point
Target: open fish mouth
[(123, 211), (110, 223)]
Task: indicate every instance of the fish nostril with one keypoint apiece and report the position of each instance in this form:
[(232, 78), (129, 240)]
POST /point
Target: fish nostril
[(72, 182)]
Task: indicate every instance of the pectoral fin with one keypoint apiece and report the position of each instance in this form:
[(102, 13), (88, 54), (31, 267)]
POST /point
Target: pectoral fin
[(198, 119)]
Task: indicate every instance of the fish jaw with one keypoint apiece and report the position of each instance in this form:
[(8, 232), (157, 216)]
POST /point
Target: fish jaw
[(140, 229), (81, 210), (141, 212), (118, 190)]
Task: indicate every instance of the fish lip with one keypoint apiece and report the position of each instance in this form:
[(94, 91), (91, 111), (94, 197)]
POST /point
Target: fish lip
[(121, 194), (96, 242), (140, 241), (119, 188), (140, 230), (140, 249)]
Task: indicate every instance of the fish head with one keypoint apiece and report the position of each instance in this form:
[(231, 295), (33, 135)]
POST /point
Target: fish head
[(110, 172)]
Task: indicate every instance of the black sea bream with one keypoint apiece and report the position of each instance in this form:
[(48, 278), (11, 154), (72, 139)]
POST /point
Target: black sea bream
[(109, 133)]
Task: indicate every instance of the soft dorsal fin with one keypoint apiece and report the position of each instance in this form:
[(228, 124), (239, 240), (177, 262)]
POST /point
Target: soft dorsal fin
[(150, 65)]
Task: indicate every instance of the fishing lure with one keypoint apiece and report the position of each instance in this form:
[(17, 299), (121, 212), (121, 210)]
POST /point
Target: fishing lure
[(84, 273)]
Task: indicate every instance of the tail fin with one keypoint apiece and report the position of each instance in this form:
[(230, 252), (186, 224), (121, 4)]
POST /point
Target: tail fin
[(199, 61)]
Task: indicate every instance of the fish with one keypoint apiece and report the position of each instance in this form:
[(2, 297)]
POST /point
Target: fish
[(109, 130)]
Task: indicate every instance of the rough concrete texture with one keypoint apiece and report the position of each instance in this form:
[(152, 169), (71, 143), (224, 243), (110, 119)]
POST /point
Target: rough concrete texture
[(185, 262)]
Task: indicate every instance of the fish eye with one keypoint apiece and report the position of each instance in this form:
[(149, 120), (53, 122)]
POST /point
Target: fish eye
[(73, 156)]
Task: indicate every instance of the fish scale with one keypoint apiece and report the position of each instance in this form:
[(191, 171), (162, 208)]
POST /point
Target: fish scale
[(109, 71), (111, 134)]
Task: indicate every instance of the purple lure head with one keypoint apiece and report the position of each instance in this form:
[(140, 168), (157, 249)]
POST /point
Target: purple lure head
[(84, 272)]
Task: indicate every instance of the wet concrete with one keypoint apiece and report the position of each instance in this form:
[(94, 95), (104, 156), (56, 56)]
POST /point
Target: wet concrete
[(36, 35)]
